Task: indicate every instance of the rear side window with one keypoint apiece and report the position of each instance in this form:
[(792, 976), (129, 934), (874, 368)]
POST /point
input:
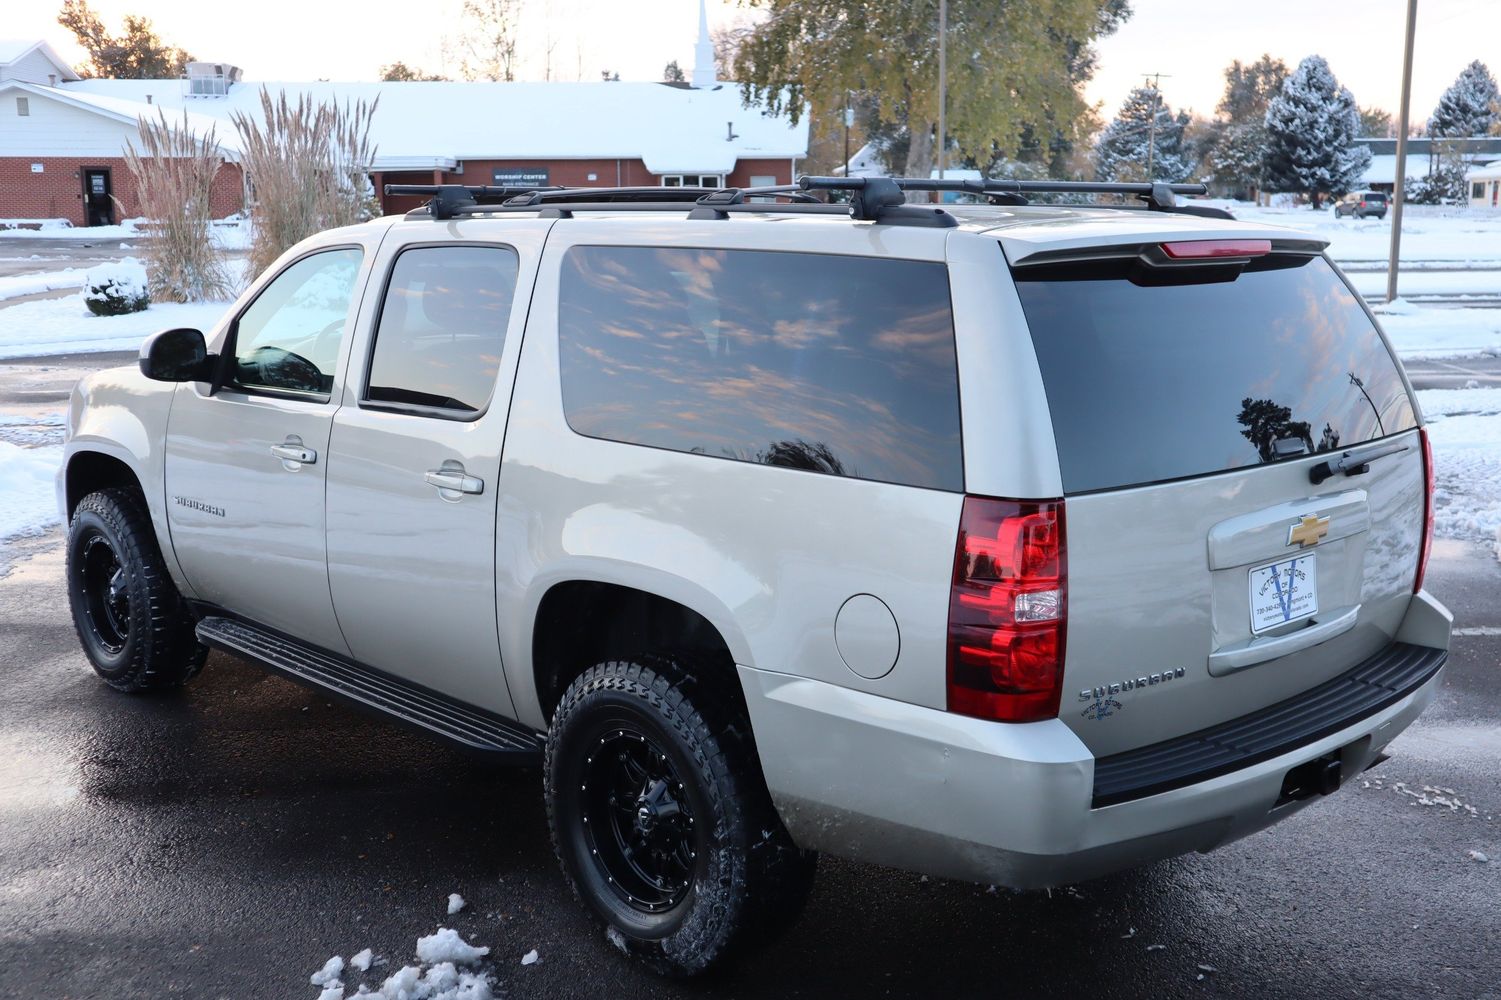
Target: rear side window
[(442, 327), (840, 365), (1155, 382)]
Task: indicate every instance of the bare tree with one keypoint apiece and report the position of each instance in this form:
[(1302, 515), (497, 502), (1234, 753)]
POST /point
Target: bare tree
[(488, 40), (174, 171), (307, 162)]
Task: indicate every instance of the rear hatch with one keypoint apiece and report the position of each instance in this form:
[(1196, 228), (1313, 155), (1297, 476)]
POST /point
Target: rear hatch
[(1213, 570)]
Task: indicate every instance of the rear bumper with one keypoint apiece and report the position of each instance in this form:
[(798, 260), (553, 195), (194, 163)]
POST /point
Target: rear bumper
[(864, 777)]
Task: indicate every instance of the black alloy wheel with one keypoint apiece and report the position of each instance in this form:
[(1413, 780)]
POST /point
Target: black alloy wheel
[(106, 596), (638, 820)]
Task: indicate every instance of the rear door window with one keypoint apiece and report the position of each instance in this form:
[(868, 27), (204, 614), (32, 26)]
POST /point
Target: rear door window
[(832, 364), (442, 328), (1153, 382)]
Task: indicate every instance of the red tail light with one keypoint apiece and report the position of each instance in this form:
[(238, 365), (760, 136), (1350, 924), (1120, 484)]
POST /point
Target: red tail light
[(1202, 249), (1427, 544), (1007, 610)]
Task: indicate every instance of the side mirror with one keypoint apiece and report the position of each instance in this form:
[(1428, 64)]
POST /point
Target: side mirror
[(178, 355)]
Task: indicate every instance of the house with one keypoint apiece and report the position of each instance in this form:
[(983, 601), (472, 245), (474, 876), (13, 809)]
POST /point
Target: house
[(1485, 185), (61, 137), (1422, 157)]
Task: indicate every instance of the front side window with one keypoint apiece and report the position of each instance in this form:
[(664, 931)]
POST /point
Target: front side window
[(442, 327), (839, 365), (288, 338)]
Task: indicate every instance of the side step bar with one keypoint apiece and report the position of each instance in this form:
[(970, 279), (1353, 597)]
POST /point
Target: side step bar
[(447, 718)]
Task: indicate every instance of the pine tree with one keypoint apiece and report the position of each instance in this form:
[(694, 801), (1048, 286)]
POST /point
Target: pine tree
[(1311, 126), (1240, 140), (1127, 143), (1471, 106)]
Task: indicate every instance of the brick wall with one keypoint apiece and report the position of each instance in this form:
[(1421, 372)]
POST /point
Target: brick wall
[(57, 192)]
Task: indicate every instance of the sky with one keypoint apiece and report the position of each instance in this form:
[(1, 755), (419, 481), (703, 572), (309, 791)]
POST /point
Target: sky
[(1190, 42)]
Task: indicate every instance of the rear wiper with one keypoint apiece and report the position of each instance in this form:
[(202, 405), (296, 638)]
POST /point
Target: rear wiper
[(1351, 463)]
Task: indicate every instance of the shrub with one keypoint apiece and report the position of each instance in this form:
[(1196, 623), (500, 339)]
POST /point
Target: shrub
[(307, 163), (116, 288), (174, 171)]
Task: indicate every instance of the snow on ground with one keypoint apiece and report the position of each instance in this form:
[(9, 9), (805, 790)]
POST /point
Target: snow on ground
[(28, 505), (455, 903), (1434, 332), (64, 326), (445, 945), (1451, 284), (231, 233), (16, 285), (1464, 426)]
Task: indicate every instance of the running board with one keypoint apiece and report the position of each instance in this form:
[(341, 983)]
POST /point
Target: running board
[(447, 718)]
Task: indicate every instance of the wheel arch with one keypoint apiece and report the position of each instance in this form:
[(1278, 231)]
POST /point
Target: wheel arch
[(584, 620), (88, 471)]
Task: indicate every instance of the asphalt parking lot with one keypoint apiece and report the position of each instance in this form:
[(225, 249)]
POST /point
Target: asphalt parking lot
[(223, 841)]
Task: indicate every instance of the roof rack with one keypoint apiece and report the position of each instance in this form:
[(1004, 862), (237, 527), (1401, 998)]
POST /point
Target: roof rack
[(875, 199), (884, 198)]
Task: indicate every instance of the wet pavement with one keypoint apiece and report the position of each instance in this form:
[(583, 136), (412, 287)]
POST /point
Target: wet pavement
[(224, 840)]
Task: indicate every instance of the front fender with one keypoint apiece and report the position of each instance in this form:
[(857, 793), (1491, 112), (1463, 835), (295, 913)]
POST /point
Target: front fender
[(122, 415)]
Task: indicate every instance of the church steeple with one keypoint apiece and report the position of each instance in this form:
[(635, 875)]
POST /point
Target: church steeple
[(704, 70)]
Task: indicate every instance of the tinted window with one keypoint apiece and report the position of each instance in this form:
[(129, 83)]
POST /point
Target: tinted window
[(288, 338), (843, 365), (442, 327), (1154, 382)]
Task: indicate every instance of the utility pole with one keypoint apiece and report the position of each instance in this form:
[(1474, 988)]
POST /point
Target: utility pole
[(1156, 80), (1399, 185), (849, 119), (943, 84)]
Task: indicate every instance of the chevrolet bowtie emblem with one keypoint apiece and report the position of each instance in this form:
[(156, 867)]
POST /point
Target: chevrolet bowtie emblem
[(1308, 531)]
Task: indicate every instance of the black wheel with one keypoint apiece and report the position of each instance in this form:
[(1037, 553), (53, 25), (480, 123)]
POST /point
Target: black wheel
[(661, 818), (131, 621)]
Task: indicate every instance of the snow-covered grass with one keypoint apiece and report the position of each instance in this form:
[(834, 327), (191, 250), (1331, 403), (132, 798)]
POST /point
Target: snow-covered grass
[(1435, 332), (15, 285), (64, 326), (1450, 236)]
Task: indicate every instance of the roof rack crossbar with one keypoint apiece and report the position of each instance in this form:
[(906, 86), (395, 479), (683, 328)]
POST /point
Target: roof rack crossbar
[(1158, 195)]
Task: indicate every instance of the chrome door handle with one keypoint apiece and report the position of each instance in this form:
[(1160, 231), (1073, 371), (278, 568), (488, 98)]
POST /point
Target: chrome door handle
[(294, 453), (454, 480)]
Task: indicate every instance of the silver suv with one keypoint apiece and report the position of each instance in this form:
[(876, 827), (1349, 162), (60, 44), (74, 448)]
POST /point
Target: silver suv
[(1009, 543)]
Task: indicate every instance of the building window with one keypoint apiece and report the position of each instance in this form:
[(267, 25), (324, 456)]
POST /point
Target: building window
[(23, 106), (693, 180), (1477, 190)]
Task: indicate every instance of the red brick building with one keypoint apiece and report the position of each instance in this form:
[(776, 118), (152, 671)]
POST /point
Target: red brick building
[(61, 137)]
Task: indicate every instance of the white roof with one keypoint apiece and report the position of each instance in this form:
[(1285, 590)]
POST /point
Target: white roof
[(421, 125), (13, 50), (1488, 172), (131, 113)]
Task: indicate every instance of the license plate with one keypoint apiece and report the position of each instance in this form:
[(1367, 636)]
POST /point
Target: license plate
[(1284, 592)]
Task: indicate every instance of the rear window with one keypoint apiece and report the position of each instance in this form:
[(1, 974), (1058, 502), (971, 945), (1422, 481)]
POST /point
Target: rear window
[(839, 365), (1374, 196), (1155, 382)]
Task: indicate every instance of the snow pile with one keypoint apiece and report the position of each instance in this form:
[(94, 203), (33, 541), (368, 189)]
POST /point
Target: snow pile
[(438, 977), (1464, 427), (331, 971), (445, 945), (15, 285), (455, 903), (530, 958), (116, 288), (28, 505)]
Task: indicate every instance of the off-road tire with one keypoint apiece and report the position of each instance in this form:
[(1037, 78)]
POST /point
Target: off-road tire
[(154, 646), (748, 881)]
